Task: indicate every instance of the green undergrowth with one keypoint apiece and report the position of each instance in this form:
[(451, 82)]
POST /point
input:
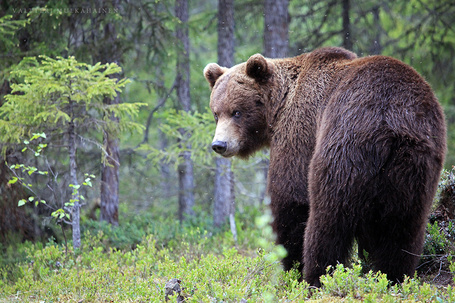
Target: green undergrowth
[(113, 265), (136, 261)]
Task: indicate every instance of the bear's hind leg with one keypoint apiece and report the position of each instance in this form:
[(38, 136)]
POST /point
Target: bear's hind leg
[(334, 211), (393, 230), (328, 241), (394, 246)]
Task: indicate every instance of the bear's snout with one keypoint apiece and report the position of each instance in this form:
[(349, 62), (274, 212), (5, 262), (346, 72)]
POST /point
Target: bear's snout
[(219, 146)]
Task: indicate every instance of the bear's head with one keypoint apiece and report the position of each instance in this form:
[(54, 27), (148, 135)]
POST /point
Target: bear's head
[(238, 99)]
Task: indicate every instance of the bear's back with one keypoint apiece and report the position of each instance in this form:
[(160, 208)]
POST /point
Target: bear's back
[(382, 97), (387, 84)]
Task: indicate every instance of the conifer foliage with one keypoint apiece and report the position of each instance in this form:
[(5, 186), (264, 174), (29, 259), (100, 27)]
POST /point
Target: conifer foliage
[(64, 99)]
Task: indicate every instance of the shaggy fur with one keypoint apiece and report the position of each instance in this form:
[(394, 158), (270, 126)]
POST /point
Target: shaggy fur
[(356, 149)]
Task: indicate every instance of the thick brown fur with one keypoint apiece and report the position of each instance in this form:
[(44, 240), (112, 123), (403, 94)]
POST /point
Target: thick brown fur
[(356, 149)]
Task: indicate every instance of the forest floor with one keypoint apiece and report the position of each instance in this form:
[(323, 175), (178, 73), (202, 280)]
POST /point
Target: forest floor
[(190, 264)]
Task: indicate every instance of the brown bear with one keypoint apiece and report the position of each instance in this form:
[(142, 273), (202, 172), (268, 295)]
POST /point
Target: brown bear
[(356, 150)]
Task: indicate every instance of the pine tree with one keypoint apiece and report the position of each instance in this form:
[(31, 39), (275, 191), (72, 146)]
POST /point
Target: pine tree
[(224, 200), (185, 169)]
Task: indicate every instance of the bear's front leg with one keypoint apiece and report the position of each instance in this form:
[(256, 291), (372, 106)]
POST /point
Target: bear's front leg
[(289, 226)]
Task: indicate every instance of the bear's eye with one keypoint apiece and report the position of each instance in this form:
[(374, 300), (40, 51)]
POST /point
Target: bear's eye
[(216, 117), (236, 114)]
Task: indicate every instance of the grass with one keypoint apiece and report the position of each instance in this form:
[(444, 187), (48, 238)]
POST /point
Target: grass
[(136, 262), (211, 267)]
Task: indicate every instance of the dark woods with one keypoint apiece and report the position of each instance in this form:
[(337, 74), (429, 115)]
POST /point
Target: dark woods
[(162, 165)]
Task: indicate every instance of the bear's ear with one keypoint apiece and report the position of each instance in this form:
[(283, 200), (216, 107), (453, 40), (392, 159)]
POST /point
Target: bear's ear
[(212, 72), (258, 68)]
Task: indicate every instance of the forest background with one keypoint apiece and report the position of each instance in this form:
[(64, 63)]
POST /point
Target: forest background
[(143, 155)]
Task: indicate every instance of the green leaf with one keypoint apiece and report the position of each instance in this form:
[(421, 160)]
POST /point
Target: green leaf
[(21, 202), (31, 198), (88, 182), (13, 180), (32, 170), (38, 135), (76, 187), (58, 214)]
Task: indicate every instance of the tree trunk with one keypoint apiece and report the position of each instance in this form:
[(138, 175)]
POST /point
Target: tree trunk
[(165, 171), (76, 208), (224, 202), (276, 28), (109, 195), (276, 42), (347, 41), (376, 48), (186, 187), (226, 32), (185, 169), (183, 57)]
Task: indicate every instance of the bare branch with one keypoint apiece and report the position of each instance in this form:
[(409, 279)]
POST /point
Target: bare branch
[(161, 103)]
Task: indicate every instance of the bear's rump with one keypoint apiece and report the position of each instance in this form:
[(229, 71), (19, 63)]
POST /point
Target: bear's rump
[(374, 140)]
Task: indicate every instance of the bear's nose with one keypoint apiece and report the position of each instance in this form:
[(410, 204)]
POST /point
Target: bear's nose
[(219, 146)]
